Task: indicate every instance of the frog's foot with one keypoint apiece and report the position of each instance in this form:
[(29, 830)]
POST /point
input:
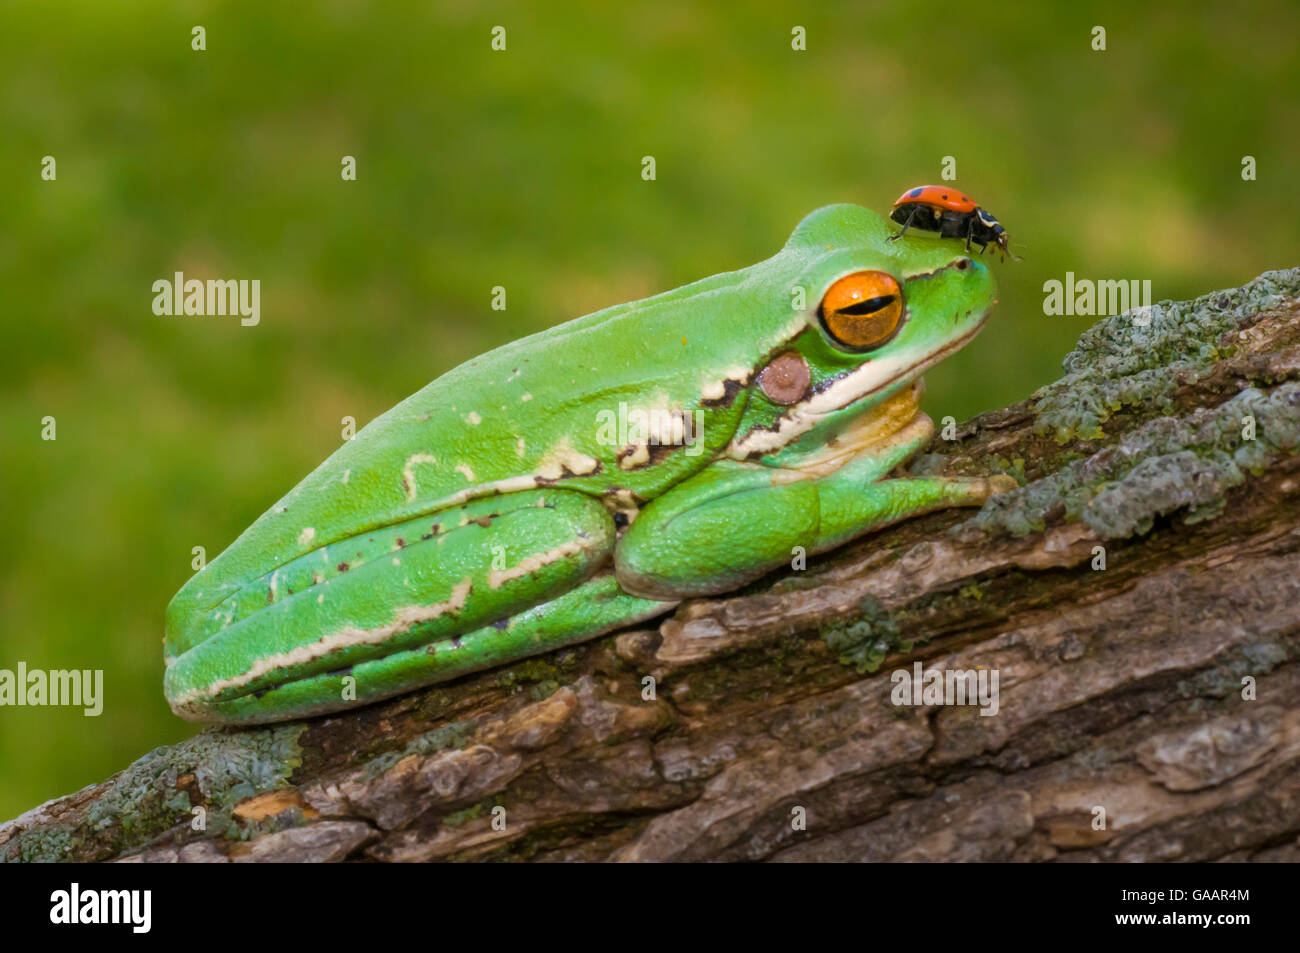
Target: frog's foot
[(975, 491)]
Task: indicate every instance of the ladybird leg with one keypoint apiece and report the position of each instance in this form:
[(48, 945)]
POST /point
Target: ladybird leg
[(906, 225)]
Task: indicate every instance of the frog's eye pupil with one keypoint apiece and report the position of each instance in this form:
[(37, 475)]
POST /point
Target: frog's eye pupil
[(870, 305), (863, 310)]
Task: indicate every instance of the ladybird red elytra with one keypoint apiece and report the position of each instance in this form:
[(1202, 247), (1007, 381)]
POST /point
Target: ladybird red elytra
[(937, 196), (953, 214)]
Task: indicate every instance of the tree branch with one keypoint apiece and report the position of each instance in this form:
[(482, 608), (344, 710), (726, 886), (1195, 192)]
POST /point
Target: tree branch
[(1138, 598)]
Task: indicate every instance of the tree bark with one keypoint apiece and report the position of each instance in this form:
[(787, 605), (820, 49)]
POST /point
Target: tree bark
[(1138, 599)]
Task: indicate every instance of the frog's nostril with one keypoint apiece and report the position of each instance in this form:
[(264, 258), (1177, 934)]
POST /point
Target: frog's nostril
[(963, 264)]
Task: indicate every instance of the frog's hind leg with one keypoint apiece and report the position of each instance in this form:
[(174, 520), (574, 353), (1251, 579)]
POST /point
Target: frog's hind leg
[(589, 610), (283, 645)]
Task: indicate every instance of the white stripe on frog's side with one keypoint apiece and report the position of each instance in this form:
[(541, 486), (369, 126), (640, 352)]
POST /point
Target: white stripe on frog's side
[(499, 577)]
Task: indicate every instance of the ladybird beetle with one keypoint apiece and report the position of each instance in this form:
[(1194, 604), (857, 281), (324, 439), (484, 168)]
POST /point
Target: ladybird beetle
[(952, 214)]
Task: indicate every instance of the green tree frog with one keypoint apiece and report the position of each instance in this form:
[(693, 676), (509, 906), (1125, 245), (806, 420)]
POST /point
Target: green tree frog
[(592, 476)]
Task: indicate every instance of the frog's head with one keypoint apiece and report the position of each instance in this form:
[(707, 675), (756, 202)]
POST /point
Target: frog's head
[(876, 314)]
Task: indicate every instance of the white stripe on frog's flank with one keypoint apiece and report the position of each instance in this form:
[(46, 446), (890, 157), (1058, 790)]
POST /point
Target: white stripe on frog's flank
[(408, 471), (329, 644), (499, 577), (306, 536), (508, 485)]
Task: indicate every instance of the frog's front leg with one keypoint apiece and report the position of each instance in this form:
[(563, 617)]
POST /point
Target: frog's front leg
[(465, 589), (737, 521)]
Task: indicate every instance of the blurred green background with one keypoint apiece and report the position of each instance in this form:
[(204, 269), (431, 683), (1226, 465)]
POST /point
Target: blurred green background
[(478, 168)]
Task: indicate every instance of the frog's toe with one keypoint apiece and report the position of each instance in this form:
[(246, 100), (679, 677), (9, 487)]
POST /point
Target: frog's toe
[(1002, 483)]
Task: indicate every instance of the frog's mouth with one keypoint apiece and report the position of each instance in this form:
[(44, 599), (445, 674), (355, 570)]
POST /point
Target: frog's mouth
[(867, 380)]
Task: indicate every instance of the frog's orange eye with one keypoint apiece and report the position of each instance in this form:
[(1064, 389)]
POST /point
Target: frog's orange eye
[(862, 310)]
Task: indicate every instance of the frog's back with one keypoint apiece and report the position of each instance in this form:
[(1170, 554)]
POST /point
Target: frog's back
[(530, 413)]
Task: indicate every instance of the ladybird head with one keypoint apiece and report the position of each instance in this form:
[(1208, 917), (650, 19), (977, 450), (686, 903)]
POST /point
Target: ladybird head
[(995, 233)]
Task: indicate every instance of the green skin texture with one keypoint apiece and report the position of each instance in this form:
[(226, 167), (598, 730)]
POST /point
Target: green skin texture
[(475, 522)]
